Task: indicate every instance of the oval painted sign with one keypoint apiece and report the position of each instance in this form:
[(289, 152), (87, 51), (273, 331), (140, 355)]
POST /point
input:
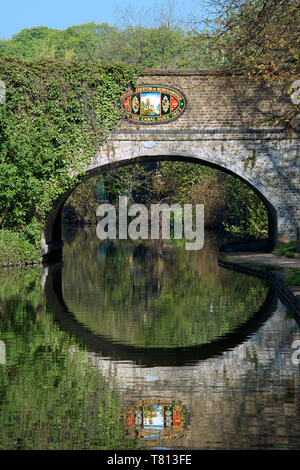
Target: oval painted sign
[(153, 104)]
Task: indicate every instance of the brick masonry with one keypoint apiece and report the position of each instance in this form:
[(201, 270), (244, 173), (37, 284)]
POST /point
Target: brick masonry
[(225, 125)]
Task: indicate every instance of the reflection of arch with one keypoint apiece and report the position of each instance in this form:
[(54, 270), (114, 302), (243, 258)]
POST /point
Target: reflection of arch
[(149, 356), (52, 234)]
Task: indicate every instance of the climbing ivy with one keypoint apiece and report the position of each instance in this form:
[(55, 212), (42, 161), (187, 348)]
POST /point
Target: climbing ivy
[(55, 117)]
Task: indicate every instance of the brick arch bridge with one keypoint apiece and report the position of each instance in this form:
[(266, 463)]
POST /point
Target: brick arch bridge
[(224, 126)]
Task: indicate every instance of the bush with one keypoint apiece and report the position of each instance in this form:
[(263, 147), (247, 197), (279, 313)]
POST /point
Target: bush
[(14, 248), (288, 249)]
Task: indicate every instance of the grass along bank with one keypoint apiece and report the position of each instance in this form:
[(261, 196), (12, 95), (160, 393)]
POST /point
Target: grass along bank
[(288, 249)]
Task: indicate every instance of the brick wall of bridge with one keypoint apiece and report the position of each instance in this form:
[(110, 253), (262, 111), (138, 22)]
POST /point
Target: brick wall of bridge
[(214, 100)]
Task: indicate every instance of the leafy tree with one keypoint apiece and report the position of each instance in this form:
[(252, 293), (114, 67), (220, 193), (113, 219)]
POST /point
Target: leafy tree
[(258, 38), (244, 213), (156, 38)]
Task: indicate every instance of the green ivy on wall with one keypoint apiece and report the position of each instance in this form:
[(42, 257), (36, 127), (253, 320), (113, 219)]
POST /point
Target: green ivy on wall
[(55, 117)]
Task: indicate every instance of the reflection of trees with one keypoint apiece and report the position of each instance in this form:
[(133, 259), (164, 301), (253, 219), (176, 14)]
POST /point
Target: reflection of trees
[(155, 295), (51, 396)]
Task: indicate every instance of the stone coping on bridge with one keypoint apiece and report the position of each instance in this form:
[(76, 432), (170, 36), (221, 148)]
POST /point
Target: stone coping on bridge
[(227, 123)]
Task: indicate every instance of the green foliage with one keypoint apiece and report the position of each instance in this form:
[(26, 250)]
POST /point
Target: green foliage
[(260, 40), (80, 208), (162, 46), (246, 215), (228, 201), (294, 278), (55, 117), (14, 248), (269, 267), (134, 181)]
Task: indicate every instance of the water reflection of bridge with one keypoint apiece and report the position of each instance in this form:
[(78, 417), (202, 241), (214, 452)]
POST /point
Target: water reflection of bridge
[(240, 391)]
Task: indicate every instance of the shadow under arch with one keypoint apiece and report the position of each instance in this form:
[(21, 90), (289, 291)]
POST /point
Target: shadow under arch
[(149, 357), (53, 231)]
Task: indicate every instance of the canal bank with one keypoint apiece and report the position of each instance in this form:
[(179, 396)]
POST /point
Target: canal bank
[(281, 271)]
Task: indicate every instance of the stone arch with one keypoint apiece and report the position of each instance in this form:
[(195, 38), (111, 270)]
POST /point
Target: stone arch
[(52, 242)]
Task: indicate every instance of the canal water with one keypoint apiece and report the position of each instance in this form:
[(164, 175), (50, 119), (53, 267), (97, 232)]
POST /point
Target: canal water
[(130, 344)]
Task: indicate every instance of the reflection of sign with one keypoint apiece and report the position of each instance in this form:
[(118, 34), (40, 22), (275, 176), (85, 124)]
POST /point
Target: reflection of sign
[(295, 96), (153, 104), (2, 92), (154, 419)]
